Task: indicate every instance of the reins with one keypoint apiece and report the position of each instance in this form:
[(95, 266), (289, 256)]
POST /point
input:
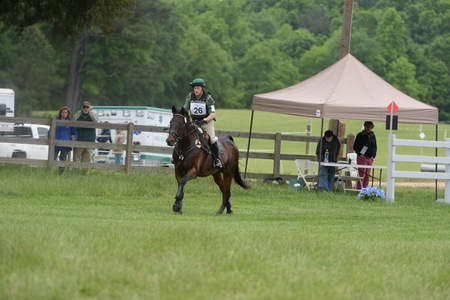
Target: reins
[(190, 128)]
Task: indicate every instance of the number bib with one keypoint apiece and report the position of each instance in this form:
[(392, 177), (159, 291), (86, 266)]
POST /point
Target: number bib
[(198, 108)]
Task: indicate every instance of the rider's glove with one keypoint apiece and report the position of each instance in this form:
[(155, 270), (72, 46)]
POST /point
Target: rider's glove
[(200, 122)]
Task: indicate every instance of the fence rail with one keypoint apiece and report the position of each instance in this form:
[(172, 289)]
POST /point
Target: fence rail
[(394, 158), (277, 156)]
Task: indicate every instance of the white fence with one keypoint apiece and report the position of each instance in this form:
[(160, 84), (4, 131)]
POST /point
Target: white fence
[(393, 158)]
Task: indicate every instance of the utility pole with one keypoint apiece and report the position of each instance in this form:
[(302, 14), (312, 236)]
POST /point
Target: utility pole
[(347, 28), (338, 126)]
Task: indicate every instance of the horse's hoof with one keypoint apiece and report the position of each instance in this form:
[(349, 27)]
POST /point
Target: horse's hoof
[(229, 212), (176, 209), (220, 210), (178, 212)]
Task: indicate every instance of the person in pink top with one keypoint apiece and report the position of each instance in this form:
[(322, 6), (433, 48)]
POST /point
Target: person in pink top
[(365, 147)]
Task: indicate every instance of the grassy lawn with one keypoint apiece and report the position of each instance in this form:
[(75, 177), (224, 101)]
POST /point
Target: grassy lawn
[(113, 236)]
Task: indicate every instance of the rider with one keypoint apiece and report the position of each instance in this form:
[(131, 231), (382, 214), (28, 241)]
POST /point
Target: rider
[(200, 105)]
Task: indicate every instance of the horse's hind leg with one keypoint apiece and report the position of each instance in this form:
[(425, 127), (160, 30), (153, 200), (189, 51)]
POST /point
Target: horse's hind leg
[(227, 192), (218, 179)]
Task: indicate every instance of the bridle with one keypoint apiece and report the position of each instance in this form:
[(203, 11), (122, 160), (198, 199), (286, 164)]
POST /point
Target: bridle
[(180, 137), (173, 133)]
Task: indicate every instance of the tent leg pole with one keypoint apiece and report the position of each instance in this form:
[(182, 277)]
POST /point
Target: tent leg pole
[(248, 144), (436, 166), (320, 150)]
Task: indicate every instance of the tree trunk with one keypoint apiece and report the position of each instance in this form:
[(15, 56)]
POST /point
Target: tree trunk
[(76, 71)]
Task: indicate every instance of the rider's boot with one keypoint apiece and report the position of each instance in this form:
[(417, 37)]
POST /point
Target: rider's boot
[(215, 153)]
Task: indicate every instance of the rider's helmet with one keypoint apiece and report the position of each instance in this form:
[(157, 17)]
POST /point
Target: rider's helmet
[(198, 82)]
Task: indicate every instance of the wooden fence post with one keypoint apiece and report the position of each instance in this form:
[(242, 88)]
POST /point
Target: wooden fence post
[(350, 142), (51, 143), (128, 158), (276, 158)]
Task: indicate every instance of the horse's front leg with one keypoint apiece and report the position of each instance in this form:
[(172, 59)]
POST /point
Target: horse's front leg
[(182, 180)]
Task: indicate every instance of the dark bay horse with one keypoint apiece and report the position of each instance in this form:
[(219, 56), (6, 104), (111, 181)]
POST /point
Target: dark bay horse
[(192, 159)]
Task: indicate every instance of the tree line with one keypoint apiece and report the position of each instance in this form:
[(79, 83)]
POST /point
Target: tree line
[(145, 52)]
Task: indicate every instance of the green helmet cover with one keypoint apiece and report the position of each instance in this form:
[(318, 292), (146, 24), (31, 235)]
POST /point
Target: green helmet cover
[(198, 82)]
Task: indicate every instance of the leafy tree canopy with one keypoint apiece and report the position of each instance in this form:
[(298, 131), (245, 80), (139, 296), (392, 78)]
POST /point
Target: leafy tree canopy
[(146, 51)]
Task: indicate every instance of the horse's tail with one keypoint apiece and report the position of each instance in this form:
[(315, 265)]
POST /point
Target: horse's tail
[(238, 179), (237, 174)]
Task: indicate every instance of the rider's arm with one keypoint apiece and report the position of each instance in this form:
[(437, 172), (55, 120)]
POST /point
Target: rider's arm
[(210, 117), (187, 102), (211, 108)]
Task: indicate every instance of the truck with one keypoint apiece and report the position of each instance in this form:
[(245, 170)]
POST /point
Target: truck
[(25, 131), (140, 115)]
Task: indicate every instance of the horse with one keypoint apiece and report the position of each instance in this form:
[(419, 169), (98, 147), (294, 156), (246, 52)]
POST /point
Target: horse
[(192, 158)]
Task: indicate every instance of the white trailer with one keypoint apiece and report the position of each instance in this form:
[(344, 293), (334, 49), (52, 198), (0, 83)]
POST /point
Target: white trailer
[(140, 115), (6, 108), (6, 103)]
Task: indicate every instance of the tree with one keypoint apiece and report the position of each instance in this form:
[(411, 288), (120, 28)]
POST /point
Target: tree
[(206, 59), (138, 63), (392, 35), (264, 68), (65, 16), (8, 53), (402, 75), (295, 42), (320, 57), (71, 18), (33, 70)]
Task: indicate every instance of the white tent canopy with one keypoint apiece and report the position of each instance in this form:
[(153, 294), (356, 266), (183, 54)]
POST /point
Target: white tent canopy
[(347, 90)]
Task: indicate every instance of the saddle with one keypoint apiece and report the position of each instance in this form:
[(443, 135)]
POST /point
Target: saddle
[(203, 141)]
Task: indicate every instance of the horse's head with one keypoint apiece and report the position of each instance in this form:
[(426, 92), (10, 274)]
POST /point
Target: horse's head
[(178, 126)]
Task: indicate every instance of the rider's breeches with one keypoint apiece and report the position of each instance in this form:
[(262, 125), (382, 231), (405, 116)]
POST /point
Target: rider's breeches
[(209, 127)]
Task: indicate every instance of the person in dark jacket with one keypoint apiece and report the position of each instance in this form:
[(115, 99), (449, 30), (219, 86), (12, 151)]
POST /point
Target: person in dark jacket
[(365, 147), (85, 134), (104, 137), (327, 151), (63, 133)]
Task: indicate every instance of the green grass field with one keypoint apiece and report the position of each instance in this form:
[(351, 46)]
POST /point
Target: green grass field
[(113, 236)]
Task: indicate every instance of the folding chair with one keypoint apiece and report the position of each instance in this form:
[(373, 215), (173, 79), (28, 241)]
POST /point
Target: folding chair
[(351, 157), (303, 165), (352, 171)]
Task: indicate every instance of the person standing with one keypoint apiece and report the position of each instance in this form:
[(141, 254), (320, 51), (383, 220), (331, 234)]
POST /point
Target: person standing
[(327, 151), (201, 107), (104, 137), (119, 139), (63, 133), (365, 147), (85, 134)]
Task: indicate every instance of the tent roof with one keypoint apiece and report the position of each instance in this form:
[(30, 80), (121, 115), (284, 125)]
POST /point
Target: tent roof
[(347, 90)]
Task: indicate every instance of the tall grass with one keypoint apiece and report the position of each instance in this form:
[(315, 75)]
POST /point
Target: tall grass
[(113, 236)]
